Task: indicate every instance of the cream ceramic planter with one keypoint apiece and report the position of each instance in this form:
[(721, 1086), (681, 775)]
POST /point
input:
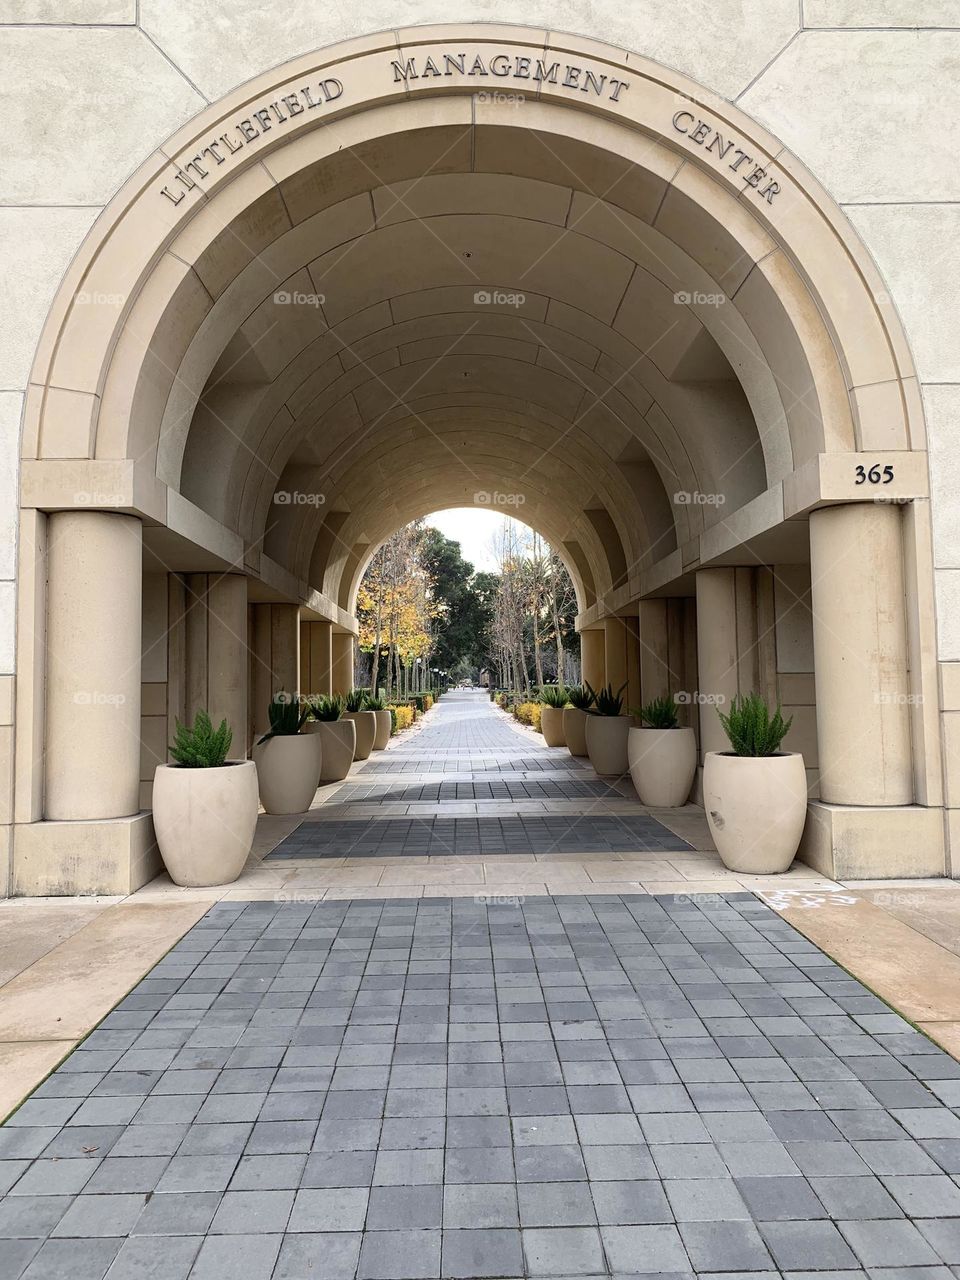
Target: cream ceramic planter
[(366, 725), (382, 735), (662, 764), (338, 740), (288, 768), (551, 725), (575, 730), (205, 820), (607, 744), (756, 807)]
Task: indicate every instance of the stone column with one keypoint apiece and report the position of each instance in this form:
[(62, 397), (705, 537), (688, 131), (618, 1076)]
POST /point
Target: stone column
[(621, 658), (316, 657), (716, 652), (592, 658), (92, 695), (342, 664), (275, 657), (217, 665), (860, 655)]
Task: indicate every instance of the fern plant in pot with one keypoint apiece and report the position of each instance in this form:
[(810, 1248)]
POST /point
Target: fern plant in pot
[(662, 754), (384, 721), (365, 722), (338, 736), (204, 806), (606, 734), (553, 699), (579, 701), (755, 795), (287, 760)]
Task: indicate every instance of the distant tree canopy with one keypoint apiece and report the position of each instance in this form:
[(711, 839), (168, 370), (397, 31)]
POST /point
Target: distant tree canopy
[(424, 609)]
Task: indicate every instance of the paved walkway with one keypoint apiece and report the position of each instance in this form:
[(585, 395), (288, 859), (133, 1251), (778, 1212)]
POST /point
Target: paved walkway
[(619, 1085), (493, 1063)]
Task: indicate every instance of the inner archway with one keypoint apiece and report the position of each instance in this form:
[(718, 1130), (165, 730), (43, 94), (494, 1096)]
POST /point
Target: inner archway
[(436, 265)]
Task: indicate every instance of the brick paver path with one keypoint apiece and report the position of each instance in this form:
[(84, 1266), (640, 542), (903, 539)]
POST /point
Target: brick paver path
[(400, 1090), (466, 752)]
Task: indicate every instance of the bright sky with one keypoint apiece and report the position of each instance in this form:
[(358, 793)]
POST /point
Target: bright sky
[(474, 528)]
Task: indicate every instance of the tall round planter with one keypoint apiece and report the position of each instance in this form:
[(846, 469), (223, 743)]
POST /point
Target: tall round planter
[(575, 730), (366, 725), (338, 741), (662, 764), (382, 735), (607, 744), (288, 768), (551, 725), (756, 807), (205, 821)]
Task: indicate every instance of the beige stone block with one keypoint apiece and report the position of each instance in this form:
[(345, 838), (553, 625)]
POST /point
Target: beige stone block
[(917, 248), (130, 97), (949, 685), (796, 689), (947, 587), (880, 13), (943, 434), (847, 842), (7, 695), (892, 84), (62, 858), (73, 12), (35, 247)]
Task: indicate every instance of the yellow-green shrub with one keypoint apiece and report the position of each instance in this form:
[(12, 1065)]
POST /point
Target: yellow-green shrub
[(528, 713), (402, 717), (427, 701)]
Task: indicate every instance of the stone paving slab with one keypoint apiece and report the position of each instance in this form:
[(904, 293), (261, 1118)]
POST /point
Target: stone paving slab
[(480, 836), (398, 1090)]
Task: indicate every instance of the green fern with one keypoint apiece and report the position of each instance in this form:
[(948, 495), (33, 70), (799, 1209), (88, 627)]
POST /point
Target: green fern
[(356, 700), (375, 703), (751, 728), (201, 746), (581, 697), (606, 702), (325, 706), (287, 716), (661, 713), (553, 695)]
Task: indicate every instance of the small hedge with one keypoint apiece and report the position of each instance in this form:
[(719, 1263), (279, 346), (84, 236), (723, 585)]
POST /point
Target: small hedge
[(401, 717), (528, 713)]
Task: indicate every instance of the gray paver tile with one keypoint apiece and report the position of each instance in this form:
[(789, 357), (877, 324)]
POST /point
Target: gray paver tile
[(563, 1251), (399, 1255), (223, 1257), (332, 1255)]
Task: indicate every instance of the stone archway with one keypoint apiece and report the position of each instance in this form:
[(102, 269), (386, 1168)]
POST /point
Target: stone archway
[(314, 290)]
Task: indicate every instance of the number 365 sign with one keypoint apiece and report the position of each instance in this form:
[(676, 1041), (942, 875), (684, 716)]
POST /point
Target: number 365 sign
[(878, 473)]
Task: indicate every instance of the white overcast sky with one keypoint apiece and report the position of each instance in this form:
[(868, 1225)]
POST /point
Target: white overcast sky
[(474, 529)]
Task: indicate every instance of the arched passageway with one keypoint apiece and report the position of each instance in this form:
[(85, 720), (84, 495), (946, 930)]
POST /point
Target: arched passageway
[(471, 265)]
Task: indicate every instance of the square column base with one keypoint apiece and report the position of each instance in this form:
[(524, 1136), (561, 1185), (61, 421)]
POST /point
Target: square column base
[(852, 842), (64, 859)]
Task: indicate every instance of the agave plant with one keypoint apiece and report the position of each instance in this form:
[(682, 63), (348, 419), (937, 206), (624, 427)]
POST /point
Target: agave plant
[(606, 702), (287, 716), (326, 706), (751, 728), (661, 713), (553, 695), (200, 746), (356, 700), (375, 703), (580, 696)]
